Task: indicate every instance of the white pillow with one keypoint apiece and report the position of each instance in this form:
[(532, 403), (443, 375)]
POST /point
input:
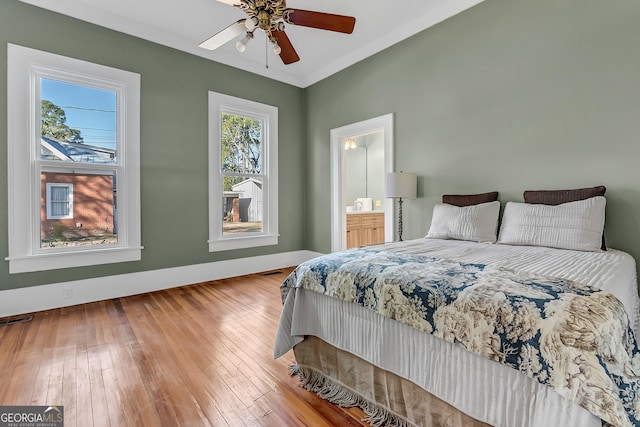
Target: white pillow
[(477, 223), (574, 225)]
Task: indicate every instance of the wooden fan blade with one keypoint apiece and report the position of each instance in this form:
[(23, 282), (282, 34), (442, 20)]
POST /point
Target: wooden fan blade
[(323, 21), (231, 2), (224, 36), (288, 54)]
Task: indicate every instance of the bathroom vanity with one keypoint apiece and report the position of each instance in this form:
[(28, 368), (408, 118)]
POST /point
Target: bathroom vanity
[(365, 228)]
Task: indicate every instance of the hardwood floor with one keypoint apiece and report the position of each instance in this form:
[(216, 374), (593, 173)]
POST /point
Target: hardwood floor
[(198, 355)]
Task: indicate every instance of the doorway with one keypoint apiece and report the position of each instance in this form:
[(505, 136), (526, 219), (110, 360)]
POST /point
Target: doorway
[(372, 129)]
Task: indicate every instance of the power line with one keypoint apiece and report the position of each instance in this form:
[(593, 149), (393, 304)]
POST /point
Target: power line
[(101, 129), (87, 109)]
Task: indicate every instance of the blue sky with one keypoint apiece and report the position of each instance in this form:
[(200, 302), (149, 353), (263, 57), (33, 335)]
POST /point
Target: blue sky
[(90, 110)]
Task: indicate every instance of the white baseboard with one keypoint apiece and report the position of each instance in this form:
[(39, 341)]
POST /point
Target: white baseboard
[(56, 295)]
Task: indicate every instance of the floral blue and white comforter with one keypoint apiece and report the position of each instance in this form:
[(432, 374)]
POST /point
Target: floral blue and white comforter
[(571, 337)]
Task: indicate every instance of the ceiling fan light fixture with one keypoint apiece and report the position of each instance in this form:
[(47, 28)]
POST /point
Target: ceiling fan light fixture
[(251, 23), (241, 45), (276, 48)]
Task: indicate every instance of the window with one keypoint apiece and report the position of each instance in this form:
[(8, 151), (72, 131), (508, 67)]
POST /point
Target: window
[(73, 146), (59, 201), (243, 181)]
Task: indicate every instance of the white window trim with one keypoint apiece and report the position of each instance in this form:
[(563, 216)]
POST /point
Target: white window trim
[(69, 200), (219, 103), (24, 67)]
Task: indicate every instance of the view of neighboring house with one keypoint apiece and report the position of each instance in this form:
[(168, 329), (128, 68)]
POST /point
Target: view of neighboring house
[(249, 200), (244, 202), (75, 152), (76, 204)]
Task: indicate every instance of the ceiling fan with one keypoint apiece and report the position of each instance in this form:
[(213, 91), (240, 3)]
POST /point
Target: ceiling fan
[(270, 16)]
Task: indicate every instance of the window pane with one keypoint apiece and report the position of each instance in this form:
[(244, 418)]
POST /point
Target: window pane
[(242, 205), (77, 209), (241, 140), (78, 123), (60, 201)]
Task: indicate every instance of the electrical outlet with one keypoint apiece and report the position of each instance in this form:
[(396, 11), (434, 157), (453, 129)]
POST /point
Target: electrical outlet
[(377, 203), (67, 292)]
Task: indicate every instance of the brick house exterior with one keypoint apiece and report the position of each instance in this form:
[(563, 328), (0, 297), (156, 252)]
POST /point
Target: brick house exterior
[(92, 210)]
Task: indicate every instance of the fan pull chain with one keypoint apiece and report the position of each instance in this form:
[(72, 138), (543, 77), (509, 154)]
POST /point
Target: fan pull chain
[(266, 52)]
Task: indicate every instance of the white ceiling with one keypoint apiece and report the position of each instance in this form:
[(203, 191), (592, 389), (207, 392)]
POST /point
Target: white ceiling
[(183, 24)]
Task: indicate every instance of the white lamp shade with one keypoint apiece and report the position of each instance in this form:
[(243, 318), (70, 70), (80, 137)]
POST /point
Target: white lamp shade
[(402, 185)]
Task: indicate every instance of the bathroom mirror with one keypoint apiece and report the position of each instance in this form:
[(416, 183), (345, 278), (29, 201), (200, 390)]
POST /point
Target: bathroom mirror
[(364, 172)]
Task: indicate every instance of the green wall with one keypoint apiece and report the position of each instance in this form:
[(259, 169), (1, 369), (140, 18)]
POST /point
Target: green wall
[(174, 88), (509, 95)]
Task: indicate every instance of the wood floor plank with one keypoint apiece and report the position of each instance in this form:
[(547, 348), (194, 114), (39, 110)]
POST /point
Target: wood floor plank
[(84, 410), (54, 391), (69, 386), (98, 396), (196, 356)]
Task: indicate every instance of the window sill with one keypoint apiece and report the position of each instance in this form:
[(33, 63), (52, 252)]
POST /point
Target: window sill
[(54, 261)]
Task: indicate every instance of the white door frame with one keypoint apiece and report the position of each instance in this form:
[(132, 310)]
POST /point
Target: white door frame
[(338, 187)]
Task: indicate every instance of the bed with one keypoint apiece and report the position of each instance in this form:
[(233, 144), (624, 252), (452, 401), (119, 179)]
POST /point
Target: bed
[(531, 326)]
